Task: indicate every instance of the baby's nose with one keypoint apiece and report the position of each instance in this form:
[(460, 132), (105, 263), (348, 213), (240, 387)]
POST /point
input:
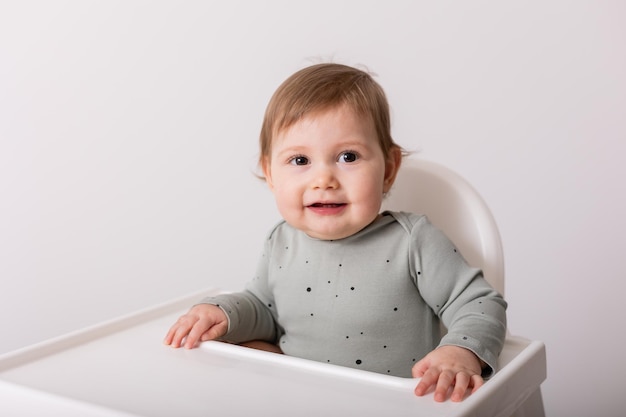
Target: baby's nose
[(324, 177)]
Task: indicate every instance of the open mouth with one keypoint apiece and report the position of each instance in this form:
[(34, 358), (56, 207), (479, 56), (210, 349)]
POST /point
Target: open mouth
[(327, 209), (327, 205)]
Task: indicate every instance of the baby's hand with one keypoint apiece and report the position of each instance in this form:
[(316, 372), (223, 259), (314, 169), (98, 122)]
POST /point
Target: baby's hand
[(203, 322), (445, 367)]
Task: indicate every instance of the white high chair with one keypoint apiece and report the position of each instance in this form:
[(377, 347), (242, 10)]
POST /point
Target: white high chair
[(456, 208)]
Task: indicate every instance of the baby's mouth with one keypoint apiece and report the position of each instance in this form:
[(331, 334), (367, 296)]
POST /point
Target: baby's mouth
[(327, 205), (324, 208)]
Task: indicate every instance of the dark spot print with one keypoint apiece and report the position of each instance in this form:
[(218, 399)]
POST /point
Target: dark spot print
[(385, 347), (419, 272), (387, 260), (311, 314), (340, 265), (358, 361), (329, 282), (464, 337), (269, 305), (286, 247), (395, 309), (361, 332), (352, 288), (347, 337), (308, 289), (455, 251)]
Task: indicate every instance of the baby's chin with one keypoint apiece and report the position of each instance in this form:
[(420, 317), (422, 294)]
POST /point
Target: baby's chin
[(336, 234), (330, 227)]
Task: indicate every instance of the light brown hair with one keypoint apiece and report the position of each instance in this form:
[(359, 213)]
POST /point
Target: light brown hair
[(321, 87)]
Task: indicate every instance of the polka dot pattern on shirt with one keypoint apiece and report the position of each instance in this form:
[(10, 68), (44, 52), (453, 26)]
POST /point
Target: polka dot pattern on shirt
[(314, 291)]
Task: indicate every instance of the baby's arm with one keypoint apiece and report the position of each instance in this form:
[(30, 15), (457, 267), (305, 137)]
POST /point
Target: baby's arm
[(445, 367), (473, 312), (234, 317), (201, 323)]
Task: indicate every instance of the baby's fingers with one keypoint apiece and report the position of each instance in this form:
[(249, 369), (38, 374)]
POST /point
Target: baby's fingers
[(178, 331), (463, 383), (169, 336), (429, 379), (173, 337), (441, 380), (460, 387), (445, 381), (202, 330), (477, 382)]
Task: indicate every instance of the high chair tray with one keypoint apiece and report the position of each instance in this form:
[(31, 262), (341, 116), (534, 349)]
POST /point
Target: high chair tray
[(121, 368)]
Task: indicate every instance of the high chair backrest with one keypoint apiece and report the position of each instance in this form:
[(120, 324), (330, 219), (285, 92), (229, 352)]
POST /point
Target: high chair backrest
[(455, 207)]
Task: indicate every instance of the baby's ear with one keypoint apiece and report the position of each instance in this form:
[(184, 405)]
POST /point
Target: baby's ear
[(392, 166), (267, 172)]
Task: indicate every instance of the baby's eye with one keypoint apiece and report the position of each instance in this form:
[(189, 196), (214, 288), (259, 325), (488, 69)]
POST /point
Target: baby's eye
[(348, 157), (299, 160)]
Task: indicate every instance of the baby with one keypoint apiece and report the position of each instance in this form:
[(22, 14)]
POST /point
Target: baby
[(340, 282)]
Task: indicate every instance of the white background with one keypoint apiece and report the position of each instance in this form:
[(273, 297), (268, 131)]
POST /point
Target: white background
[(128, 142)]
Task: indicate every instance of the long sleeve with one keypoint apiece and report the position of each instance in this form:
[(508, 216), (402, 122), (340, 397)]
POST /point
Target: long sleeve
[(248, 318), (472, 311), (251, 313)]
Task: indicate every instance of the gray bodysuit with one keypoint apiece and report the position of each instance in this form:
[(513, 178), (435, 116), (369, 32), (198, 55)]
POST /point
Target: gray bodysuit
[(371, 301)]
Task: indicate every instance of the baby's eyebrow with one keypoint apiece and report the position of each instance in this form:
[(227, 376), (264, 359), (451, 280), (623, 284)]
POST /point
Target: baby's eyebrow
[(351, 145), (292, 150)]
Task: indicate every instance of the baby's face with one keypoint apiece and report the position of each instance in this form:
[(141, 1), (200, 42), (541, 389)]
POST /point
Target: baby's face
[(328, 174)]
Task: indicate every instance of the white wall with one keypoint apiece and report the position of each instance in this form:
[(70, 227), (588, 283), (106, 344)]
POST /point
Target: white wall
[(128, 136)]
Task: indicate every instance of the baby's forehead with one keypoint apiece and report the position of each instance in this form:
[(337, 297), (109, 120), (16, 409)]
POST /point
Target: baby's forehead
[(338, 126), (321, 112)]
